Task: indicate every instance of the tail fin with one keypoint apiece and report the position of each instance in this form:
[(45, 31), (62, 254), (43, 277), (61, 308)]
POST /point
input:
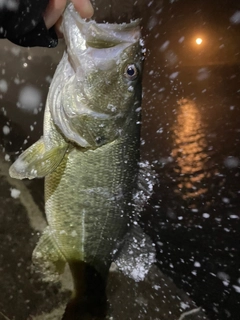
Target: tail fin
[(89, 299), (77, 310)]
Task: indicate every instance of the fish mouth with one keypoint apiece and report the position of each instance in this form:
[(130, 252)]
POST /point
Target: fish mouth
[(91, 48), (82, 35), (98, 35)]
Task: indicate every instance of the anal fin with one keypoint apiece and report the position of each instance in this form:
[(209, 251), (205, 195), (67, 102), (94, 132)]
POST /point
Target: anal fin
[(137, 254), (47, 258), (36, 162)]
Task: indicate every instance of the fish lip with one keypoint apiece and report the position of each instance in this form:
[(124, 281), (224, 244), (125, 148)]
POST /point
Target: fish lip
[(91, 31), (112, 26)]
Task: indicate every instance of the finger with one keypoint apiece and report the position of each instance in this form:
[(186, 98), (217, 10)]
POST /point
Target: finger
[(84, 8), (53, 12), (58, 29)]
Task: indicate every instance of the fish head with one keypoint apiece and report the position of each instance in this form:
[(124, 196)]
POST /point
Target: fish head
[(101, 93), (108, 83)]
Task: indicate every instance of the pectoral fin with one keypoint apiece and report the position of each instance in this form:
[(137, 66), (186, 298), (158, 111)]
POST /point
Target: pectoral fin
[(35, 162), (47, 258)]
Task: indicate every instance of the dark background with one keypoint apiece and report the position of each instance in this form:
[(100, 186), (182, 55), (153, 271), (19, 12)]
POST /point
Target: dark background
[(190, 134)]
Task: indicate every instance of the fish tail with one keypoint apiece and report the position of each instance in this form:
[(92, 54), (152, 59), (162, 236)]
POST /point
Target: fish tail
[(89, 297)]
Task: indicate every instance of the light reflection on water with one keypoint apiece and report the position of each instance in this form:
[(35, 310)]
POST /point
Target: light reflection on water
[(189, 151)]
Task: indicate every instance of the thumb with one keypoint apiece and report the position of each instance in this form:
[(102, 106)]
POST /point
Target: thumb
[(53, 12), (83, 7)]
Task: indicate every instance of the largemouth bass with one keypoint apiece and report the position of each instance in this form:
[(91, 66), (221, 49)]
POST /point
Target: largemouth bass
[(89, 152)]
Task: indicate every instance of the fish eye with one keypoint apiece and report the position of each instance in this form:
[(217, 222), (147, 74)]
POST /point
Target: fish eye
[(131, 72)]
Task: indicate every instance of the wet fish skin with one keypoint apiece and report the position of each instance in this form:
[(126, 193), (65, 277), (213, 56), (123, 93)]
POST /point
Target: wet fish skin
[(89, 152)]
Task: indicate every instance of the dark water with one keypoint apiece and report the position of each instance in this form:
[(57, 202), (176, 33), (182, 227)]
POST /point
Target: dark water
[(191, 132)]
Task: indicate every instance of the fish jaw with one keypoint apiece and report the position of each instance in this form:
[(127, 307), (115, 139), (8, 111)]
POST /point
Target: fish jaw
[(80, 34), (84, 37)]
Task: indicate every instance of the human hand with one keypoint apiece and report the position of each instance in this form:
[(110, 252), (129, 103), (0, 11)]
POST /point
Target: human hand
[(55, 9)]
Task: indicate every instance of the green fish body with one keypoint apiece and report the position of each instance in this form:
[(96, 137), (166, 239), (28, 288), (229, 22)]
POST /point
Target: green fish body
[(89, 151)]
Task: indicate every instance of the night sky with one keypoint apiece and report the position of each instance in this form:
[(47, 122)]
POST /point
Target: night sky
[(180, 22)]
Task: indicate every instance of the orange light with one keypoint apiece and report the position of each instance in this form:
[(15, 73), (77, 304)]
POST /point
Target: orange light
[(198, 41)]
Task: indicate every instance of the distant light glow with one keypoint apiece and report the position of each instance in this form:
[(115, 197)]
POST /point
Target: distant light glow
[(198, 41)]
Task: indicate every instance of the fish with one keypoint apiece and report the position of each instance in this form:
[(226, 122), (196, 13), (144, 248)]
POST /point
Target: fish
[(88, 155)]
